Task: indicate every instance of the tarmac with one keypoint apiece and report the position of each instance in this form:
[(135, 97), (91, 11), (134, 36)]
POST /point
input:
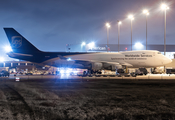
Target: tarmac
[(67, 76)]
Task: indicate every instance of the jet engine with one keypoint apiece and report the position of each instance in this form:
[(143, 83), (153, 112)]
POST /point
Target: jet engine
[(118, 66), (97, 66), (111, 67)]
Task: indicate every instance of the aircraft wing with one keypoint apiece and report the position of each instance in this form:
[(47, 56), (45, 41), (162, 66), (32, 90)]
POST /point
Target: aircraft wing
[(122, 63), (112, 63)]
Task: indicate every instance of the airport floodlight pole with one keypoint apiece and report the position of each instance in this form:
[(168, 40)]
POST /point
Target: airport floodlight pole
[(108, 26), (146, 13), (119, 23), (164, 7), (131, 18)]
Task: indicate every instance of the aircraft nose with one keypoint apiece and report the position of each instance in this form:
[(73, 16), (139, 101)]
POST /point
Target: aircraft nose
[(168, 60), (165, 60)]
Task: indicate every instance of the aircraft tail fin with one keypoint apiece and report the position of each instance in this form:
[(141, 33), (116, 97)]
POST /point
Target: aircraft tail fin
[(18, 43)]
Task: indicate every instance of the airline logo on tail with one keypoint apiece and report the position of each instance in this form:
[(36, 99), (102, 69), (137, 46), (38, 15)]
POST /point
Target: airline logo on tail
[(16, 41)]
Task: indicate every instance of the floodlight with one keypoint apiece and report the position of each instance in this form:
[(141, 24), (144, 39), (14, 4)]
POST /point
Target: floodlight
[(164, 7), (119, 22), (91, 45), (146, 12), (108, 25), (138, 45), (83, 44), (131, 17)]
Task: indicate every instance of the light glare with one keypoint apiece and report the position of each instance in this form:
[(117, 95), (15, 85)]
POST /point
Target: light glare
[(83, 44), (7, 49), (91, 45), (164, 7), (69, 59), (131, 17), (1, 59), (146, 12), (138, 45), (108, 25), (119, 22), (67, 71)]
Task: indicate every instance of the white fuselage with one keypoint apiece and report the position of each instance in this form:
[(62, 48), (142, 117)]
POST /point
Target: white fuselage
[(145, 58)]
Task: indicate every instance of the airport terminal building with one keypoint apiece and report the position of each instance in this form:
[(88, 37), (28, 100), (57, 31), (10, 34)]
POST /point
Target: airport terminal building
[(22, 66)]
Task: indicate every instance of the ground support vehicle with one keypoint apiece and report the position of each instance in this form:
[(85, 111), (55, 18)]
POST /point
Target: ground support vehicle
[(4, 73)]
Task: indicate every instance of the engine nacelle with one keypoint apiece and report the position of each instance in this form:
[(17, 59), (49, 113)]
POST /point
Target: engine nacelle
[(111, 67), (106, 66), (97, 66), (115, 67), (118, 66)]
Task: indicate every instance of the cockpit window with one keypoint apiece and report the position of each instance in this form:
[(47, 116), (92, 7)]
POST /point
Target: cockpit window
[(159, 53)]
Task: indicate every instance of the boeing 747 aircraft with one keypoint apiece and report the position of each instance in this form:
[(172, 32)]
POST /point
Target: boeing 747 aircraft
[(24, 50)]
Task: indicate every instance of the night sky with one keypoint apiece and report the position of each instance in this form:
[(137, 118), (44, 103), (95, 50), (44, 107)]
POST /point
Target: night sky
[(51, 24)]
